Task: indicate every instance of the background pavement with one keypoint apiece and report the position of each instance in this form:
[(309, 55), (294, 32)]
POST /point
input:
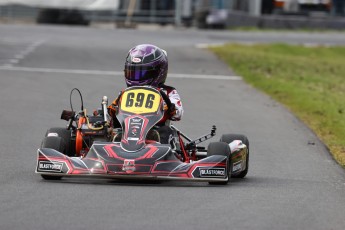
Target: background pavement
[(292, 183)]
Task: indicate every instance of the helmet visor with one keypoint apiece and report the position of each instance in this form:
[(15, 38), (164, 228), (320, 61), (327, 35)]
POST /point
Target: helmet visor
[(140, 73)]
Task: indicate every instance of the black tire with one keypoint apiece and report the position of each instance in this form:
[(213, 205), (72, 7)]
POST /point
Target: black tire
[(228, 138), (220, 148), (56, 143), (66, 136), (49, 177)]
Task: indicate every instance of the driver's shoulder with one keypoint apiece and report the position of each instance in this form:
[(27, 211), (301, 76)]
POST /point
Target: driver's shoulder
[(168, 88)]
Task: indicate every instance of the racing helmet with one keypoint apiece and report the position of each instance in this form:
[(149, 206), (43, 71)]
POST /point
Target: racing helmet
[(146, 65)]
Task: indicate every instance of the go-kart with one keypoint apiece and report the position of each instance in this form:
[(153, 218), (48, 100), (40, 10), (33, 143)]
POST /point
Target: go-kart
[(91, 146)]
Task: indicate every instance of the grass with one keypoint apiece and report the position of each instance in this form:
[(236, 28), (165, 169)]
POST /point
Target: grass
[(310, 81)]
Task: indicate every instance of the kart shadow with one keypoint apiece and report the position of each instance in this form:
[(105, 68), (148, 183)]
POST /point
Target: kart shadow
[(139, 183)]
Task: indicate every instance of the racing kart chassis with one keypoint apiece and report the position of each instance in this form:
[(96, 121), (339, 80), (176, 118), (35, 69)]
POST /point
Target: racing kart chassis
[(91, 149)]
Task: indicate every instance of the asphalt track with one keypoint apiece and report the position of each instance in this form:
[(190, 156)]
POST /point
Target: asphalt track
[(293, 183)]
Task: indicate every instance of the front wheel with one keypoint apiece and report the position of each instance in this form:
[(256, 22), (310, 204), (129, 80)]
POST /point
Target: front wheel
[(65, 134), (228, 138), (56, 143), (220, 148)]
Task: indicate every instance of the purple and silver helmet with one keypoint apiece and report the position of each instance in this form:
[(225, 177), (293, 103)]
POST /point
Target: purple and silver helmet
[(146, 65)]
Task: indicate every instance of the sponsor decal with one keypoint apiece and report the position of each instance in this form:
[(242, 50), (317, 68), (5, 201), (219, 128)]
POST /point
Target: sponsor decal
[(49, 166), (236, 146), (237, 166), (135, 125), (134, 131), (136, 60), (128, 165), (52, 135), (212, 172)]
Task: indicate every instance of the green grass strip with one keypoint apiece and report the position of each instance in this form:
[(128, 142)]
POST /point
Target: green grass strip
[(310, 81)]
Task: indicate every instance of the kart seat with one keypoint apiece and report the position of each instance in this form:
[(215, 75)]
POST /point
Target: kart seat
[(153, 137)]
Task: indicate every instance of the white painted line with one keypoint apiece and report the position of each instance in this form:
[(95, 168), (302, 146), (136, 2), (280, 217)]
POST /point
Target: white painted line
[(67, 71), (13, 61), (206, 76), (115, 73), (252, 43), (20, 56), (7, 66), (207, 45)]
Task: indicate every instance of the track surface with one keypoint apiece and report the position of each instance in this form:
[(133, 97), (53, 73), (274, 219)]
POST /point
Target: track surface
[(292, 183)]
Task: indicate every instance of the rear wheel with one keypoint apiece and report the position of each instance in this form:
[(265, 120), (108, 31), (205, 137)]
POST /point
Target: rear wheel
[(66, 136), (220, 148), (228, 138), (57, 143)]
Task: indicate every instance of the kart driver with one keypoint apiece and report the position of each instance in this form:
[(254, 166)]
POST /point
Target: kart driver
[(147, 65)]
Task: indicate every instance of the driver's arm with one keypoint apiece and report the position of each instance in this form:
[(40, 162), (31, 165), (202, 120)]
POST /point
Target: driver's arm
[(176, 100), (112, 108)]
